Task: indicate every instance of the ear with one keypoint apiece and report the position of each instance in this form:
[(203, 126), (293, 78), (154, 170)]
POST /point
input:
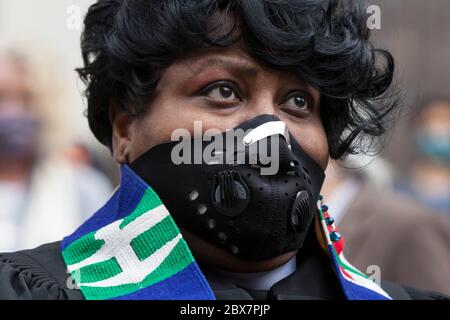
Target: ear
[(121, 133)]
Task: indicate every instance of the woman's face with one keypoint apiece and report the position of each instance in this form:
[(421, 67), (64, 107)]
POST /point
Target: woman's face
[(222, 88)]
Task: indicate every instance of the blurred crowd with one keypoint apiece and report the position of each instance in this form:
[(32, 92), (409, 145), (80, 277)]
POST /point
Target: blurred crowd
[(429, 178), (398, 223), (47, 188)]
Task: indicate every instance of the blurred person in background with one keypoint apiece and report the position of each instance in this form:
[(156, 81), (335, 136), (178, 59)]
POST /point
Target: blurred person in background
[(429, 177), (152, 67), (383, 228), (44, 191)]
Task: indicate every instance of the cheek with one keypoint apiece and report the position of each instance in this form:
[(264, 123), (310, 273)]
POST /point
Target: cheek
[(167, 115), (154, 128)]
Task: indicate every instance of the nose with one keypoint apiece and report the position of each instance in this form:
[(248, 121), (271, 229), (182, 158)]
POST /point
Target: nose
[(267, 129), (263, 103), (258, 107)]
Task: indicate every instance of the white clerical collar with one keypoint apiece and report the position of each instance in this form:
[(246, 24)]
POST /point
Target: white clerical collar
[(260, 280)]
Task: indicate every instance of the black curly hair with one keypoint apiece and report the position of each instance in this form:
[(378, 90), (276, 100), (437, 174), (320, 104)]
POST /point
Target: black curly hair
[(127, 44)]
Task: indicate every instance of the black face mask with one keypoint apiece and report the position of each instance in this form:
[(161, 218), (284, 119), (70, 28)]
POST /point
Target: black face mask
[(231, 204)]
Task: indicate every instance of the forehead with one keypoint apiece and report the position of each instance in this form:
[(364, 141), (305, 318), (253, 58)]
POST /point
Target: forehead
[(211, 56), (235, 59)]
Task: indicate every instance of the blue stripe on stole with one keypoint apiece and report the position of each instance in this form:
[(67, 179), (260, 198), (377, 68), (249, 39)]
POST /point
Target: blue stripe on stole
[(351, 290), (122, 204), (184, 285), (188, 284)]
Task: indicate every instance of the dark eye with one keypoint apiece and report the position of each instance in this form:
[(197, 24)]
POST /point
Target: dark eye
[(297, 100), (222, 92)]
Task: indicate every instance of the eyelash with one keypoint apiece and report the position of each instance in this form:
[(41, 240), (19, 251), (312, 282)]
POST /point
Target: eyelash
[(234, 88), (220, 84), (306, 95)]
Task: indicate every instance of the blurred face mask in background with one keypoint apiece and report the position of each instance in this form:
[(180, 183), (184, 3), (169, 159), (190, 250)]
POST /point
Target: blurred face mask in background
[(18, 133), (434, 145)]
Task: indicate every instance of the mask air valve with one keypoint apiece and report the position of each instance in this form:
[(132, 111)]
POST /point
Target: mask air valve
[(230, 193), (300, 213)]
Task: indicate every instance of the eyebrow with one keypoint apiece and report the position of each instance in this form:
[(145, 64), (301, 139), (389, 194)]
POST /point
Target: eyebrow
[(235, 66), (241, 68)]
